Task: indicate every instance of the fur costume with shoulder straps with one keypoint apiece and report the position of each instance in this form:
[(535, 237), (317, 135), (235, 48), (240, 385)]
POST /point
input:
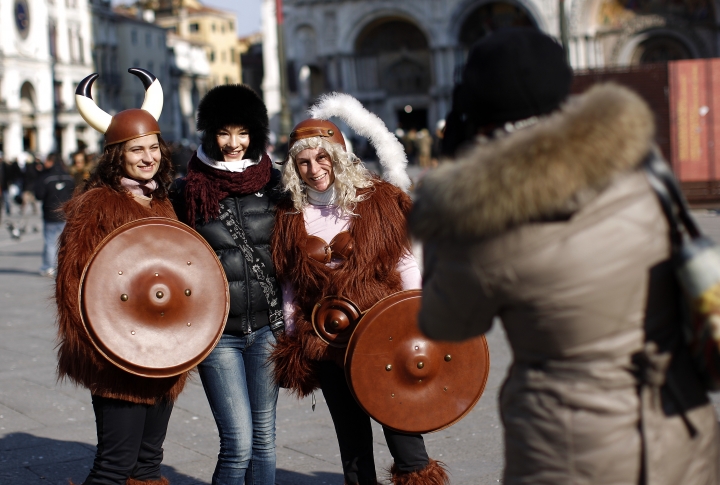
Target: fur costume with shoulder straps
[(90, 217), (369, 275)]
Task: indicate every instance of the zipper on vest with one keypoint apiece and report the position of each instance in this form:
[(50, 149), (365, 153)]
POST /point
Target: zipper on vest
[(247, 273)]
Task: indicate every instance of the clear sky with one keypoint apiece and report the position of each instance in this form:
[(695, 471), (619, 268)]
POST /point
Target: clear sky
[(248, 12)]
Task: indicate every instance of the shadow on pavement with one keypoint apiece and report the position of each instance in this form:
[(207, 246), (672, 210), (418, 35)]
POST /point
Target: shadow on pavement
[(19, 271), (287, 477), (22, 254), (28, 460)]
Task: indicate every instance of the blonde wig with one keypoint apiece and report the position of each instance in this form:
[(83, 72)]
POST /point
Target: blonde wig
[(350, 174)]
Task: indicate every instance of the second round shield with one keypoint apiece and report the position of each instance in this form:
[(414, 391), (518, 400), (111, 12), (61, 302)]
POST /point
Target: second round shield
[(406, 381), (154, 298)]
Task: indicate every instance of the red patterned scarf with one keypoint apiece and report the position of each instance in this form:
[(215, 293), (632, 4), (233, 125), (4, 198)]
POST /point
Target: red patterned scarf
[(205, 186)]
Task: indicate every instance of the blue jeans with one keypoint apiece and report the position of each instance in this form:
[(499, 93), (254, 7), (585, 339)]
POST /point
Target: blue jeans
[(239, 385), (51, 233)]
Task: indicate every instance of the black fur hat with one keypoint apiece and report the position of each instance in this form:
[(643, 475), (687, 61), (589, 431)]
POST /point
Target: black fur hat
[(233, 104), (513, 74)]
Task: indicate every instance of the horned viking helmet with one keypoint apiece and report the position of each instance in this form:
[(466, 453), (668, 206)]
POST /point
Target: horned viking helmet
[(128, 124)]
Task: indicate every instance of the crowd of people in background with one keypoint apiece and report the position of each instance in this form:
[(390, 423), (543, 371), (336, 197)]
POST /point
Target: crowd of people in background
[(30, 186), (19, 178)]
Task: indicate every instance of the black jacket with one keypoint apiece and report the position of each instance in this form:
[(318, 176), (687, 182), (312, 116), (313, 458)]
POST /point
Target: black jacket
[(256, 214), (54, 187)]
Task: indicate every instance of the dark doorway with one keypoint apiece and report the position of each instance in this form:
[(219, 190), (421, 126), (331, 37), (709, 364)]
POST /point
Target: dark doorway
[(29, 140), (413, 118)]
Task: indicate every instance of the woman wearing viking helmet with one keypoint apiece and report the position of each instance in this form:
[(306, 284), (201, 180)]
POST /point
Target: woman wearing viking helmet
[(229, 197), (130, 182), (342, 231)]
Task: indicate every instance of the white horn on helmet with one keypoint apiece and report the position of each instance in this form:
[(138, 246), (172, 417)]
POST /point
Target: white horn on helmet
[(153, 102), (91, 112), (390, 151)]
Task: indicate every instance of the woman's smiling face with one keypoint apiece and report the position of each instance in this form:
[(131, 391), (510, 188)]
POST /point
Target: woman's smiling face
[(141, 157), (233, 141), (315, 168)]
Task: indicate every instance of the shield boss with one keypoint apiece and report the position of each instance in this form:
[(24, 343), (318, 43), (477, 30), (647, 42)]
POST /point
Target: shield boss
[(154, 298), (406, 381)]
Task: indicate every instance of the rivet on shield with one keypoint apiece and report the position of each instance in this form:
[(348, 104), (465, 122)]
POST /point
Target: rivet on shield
[(189, 324), (124, 297), (417, 348), (188, 292), (189, 263), (335, 324), (157, 274), (444, 388), (420, 365), (159, 295), (448, 358), (392, 395), (388, 367), (120, 273), (162, 314), (390, 338), (132, 333)]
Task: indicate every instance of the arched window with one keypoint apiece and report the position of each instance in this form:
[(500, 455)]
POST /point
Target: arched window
[(27, 99), (306, 47)]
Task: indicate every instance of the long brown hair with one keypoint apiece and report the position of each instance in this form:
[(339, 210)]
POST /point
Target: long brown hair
[(109, 170)]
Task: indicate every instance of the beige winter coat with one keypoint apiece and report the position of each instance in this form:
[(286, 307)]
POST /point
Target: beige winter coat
[(555, 230)]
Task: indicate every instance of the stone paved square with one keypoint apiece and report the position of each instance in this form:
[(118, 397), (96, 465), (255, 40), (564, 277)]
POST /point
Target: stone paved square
[(47, 429)]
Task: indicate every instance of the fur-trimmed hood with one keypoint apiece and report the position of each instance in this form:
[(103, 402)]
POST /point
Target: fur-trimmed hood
[(549, 169)]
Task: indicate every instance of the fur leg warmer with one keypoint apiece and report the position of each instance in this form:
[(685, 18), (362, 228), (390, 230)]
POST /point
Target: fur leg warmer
[(433, 474), (161, 481)]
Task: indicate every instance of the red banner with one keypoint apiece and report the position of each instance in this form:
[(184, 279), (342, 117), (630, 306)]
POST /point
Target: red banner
[(695, 118)]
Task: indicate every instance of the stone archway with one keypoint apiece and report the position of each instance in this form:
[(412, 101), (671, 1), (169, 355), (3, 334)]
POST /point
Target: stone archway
[(645, 31), (660, 48), (393, 55)]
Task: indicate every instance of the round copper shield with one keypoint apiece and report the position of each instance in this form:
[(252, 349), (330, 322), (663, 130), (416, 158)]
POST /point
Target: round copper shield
[(154, 297), (334, 320), (406, 381)]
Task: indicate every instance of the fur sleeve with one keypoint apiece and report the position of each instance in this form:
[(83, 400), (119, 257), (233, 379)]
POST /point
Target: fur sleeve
[(90, 216)]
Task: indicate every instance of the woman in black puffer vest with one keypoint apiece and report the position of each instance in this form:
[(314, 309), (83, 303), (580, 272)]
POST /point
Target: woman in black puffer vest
[(229, 197)]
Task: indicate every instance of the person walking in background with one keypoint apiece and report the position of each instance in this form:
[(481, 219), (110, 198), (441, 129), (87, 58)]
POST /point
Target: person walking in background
[(229, 197), (424, 143), (80, 169), (54, 186), (549, 222), (31, 171)]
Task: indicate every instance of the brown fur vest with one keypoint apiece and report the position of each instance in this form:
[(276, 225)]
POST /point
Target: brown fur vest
[(370, 274), (90, 217)]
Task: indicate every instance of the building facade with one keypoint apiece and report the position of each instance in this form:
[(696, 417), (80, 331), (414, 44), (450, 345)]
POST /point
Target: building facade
[(401, 58), (125, 37), (44, 53), (213, 28), (189, 74)]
